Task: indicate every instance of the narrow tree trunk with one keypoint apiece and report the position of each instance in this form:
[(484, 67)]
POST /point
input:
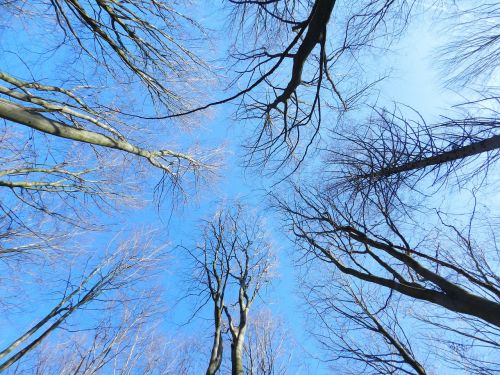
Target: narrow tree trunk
[(21, 115), (217, 347), (473, 149), (238, 339), (216, 356), (237, 356)]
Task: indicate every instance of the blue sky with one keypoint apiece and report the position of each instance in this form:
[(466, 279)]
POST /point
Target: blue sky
[(414, 80)]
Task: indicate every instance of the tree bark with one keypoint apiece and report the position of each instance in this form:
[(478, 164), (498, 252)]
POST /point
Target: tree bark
[(316, 28), (238, 340), (472, 149), (22, 115), (237, 356), (217, 348), (456, 298)]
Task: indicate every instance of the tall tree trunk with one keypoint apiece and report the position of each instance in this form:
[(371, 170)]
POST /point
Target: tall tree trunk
[(473, 149), (237, 356), (238, 337), (217, 347)]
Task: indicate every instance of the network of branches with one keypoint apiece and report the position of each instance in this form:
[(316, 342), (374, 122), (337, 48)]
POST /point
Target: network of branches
[(106, 108)]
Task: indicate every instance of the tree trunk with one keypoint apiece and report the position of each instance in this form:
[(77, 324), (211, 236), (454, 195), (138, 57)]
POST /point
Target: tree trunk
[(237, 356), (217, 347), (472, 149)]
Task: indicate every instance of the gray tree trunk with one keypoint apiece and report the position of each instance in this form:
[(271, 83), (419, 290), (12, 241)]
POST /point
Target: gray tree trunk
[(237, 357), (217, 347)]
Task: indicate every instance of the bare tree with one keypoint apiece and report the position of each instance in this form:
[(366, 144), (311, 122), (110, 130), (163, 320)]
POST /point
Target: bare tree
[(337, 234), (74, 140), (144, 38), (75, 113), (212, 267), (358, 330), (266, 350), (124, 42), (234, 263), (291, 58), (123, 70), (68, 146), (471, 57), (363, 219), (128, 264), (132, 344), (373, 213), (398, 149)]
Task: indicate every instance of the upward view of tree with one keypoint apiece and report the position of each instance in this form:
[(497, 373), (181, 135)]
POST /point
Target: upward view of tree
[(117, 271), (112, 112), (267, 346), (345, 311), (373, 217), (130, 43), (233, 264), (76, 146)]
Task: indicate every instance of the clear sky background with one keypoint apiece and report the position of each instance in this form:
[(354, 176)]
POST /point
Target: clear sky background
[(414, 79)]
